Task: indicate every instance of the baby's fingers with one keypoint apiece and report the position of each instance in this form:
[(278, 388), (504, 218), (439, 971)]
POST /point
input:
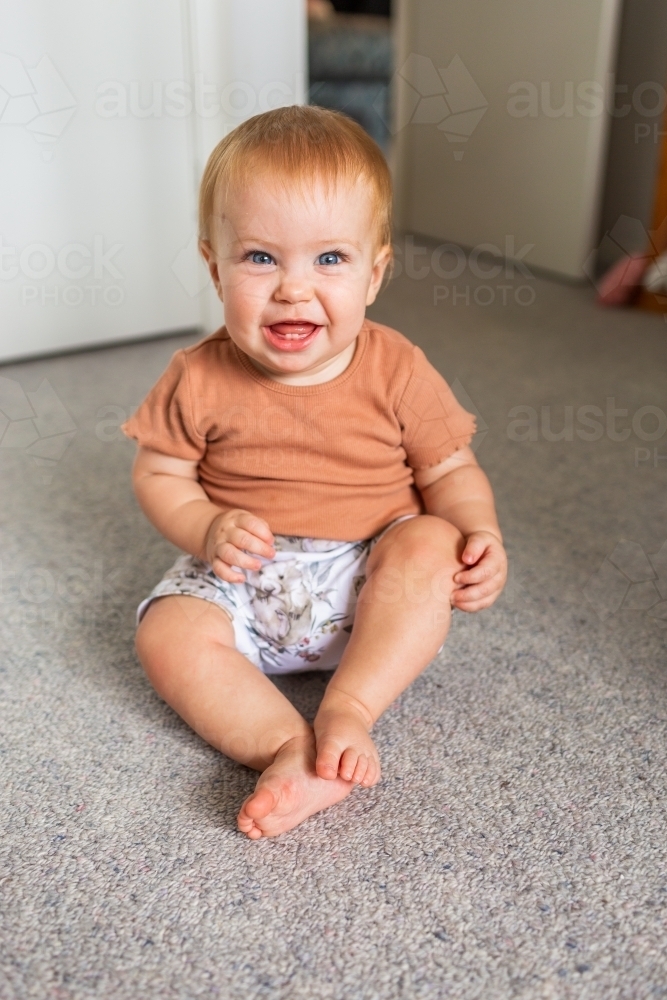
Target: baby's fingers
[(478, 595), (473, 606), (475, 548), (227, 572), (484, 570), (256, 527), (475, 575), (231, 556), (244, 541)]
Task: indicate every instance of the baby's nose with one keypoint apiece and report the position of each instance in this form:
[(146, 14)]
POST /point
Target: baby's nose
[(294, 287)]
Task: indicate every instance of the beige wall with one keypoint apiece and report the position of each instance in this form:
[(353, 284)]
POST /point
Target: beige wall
[(636, 131), (534, 178)]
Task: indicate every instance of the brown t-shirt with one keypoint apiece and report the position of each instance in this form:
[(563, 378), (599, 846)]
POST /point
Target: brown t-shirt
[(333, 460)]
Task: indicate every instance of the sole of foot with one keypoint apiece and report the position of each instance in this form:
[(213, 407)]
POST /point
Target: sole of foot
[(288, 792)]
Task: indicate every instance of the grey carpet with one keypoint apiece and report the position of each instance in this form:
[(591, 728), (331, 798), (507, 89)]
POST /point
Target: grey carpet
[(516, 846)]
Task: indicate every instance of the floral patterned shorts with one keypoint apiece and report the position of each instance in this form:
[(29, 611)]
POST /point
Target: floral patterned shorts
[(293, 614)]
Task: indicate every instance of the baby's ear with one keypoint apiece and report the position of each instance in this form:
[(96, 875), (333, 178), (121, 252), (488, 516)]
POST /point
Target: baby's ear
[(209, 255), (382, 261), (207, 252)]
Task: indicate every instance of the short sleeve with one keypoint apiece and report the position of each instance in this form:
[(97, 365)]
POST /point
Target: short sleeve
[(165, 421), (433, 422)]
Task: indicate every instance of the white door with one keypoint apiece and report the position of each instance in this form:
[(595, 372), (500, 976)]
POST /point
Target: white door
[(107, 113)]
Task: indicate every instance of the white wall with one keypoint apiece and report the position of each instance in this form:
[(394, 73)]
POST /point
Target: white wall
[(490, 173), (107, 114)]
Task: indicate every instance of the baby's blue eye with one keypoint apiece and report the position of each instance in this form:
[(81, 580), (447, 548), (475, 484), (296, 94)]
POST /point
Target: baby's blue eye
[(329, 258), (259, 257)]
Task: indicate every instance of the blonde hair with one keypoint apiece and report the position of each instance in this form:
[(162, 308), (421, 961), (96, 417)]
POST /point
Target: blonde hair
[(299, 144)]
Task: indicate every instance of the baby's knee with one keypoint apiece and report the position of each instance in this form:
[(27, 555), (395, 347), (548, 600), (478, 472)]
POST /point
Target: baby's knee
[(175, 629), (423, 549), (431, 543), (442, 535)]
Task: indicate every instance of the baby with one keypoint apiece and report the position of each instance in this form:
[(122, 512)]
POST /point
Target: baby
[(316, 469)]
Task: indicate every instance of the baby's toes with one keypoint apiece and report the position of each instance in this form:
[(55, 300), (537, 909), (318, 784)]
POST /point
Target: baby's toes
[(328, 760), (361, 769), (247, 825), (353, 765), (372, 773)]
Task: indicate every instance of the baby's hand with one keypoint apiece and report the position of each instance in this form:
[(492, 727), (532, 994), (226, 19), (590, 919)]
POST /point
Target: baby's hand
[(479, 586), (229, 540)]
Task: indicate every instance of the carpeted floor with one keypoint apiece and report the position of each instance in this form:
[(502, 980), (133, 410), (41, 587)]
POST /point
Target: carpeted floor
[(517, 846)]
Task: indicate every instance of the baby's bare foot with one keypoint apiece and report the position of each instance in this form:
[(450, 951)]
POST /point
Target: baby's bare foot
[(344, 747), (288, 792)]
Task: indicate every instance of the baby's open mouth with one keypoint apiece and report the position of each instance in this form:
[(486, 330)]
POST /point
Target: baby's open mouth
[(292, 334)]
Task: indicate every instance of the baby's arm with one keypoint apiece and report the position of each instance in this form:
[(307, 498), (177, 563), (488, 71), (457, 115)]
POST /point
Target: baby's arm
[(173, 500), (458, 491)]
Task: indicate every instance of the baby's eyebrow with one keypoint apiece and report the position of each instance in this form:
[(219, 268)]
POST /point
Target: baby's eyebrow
[(251, 239), (343, 243), (320, 246), (239, 240)]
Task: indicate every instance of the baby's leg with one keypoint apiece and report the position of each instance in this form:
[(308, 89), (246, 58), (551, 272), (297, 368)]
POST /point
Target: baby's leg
[(401, 621), (186, 646)]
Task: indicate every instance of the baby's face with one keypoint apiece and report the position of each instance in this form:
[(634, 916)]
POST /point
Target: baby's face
[(296, 270)]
